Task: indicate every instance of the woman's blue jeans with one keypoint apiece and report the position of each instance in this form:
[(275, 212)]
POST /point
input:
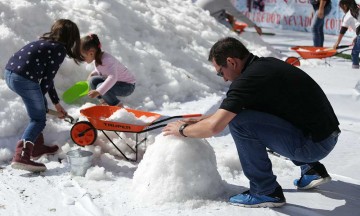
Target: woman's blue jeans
[(355, 52), (121, 89), (317, 26), (255, 131), (34, 101)]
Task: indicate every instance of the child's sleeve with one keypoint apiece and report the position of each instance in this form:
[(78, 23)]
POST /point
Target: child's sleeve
[(55, 58), (110, 80)]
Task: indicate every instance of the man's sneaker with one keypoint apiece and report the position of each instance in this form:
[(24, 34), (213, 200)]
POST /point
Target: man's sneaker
[(245, 199), (314, 177)]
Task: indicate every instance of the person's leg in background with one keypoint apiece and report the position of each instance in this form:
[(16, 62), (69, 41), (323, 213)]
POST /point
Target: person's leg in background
[(355, 53), (317, 26)]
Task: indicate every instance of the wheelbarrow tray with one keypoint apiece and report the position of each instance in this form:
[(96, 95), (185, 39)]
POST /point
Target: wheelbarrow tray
[(97, 115), (308, 52)]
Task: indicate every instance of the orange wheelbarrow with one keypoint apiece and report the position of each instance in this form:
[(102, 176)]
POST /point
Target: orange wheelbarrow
[(84, 133), (311, 52)]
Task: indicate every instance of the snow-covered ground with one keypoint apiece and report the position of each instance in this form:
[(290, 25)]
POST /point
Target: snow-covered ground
[(165, 43)]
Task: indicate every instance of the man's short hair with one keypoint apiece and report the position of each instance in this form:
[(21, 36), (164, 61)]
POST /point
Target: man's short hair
[(227, 47)]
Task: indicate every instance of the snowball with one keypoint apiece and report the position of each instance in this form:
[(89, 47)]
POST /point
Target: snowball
[(177, 170), (5, 155), (98, 173)]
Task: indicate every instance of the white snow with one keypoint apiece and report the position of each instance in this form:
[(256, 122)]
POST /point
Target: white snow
[(166, 44), (124, 116)]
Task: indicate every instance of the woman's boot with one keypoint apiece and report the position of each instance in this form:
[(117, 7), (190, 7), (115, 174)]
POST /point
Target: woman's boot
[(21, 159), (41, 149)]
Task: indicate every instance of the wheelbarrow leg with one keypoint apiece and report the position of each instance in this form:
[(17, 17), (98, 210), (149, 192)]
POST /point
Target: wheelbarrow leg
[(122, 153)]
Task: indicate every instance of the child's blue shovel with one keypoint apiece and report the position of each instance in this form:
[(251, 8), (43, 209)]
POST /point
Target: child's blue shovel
[(75, 92)]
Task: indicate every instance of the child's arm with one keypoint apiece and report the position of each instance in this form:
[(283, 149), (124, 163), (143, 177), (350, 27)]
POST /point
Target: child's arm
[(341, 35), (94, 73)]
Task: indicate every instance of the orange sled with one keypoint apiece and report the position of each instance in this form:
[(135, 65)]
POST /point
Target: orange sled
[(311, 52), (239, 26), (84, 133)]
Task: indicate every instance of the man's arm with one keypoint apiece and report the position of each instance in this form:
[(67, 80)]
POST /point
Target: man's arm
[(207, 127)]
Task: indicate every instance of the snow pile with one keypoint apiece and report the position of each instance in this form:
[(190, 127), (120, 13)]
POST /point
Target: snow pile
[(357, 86), (5, 155), (177, 170), (124, 116), (98, 173)]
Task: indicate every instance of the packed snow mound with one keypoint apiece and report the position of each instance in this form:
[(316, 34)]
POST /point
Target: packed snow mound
[(124, 116), (166, 175), (165, 45)]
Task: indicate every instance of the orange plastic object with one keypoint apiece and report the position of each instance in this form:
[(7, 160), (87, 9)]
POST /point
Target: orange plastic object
[(293, 61), (83, 133), (239, 26), (191, 115), (308, 52), (97, 114)]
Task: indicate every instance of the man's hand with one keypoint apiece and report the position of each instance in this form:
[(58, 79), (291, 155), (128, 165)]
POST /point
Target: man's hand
[(173, 128)]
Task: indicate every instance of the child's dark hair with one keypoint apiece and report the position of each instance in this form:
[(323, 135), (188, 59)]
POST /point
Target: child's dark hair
[(66, 32), (351, 5), (92, 41)]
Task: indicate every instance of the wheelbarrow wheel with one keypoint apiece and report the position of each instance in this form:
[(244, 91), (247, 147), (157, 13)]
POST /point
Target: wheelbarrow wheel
[(83, 133)]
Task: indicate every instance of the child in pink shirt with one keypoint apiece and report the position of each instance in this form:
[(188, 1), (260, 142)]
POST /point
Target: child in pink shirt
[(110, 78)]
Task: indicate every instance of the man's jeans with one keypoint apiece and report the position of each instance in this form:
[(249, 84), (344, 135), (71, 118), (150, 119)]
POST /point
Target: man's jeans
[(317, 26), (34, 101), (121, 89), (255, 131)]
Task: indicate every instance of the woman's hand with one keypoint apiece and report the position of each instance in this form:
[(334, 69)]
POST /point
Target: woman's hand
[(60, 110), (93, 93), (321, 14)]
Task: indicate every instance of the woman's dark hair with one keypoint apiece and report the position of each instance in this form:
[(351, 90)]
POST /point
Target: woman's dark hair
[(66, 32), (227, 47), (92, 41), (351, 5)]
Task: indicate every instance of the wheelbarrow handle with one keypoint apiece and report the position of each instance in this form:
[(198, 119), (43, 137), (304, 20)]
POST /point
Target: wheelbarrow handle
[(179, 116), (68, 118), (343, 46), (166, 119), (338, 47)]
